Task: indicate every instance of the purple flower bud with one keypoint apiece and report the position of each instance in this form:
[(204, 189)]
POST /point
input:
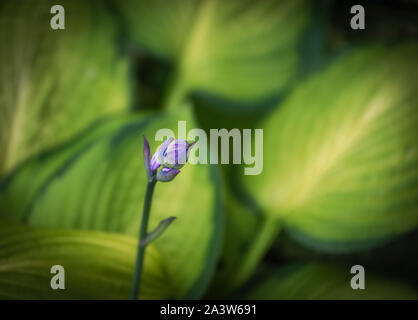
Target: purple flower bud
[(167, 174), (175, 154), (171, 155)]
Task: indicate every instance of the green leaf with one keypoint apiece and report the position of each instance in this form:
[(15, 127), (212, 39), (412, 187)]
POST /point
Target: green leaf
[(17, 195), (55, 82), (97, 265), (101, 186), (158, 231), (325, 282), (234, 49), (341, 154)]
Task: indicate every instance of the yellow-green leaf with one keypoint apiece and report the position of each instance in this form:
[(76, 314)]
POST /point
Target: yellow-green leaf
[(341, 154), (97, 265), (53, 83), (242, 50)]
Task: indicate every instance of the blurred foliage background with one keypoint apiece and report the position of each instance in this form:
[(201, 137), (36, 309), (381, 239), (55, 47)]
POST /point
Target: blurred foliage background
[(338, 107)]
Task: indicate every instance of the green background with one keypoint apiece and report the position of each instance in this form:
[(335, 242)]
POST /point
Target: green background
[(339, 113)]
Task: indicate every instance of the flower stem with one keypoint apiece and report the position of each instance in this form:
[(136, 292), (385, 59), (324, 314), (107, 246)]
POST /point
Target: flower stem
[(136, 281)]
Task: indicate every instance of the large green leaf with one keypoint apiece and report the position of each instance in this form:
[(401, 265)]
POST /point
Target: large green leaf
[(241, 50), (325, 282), (54, 82), (19, 189), (97, 265), (341, 155), (101, 186)]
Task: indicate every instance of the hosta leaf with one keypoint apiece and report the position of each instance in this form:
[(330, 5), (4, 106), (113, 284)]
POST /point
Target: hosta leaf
[(54, 82), (240, 50), (341, 155), (325, 282), (102, 187), (17, 195), (97, 265)]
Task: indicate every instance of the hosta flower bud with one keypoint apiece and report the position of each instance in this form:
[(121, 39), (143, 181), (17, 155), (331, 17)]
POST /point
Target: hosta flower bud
[(171, 156)]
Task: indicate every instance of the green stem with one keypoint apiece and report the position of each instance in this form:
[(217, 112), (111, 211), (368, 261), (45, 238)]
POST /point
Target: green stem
[(266, 234), (136, 281)]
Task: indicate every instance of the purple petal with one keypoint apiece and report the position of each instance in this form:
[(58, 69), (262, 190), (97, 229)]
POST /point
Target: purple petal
[(167, 174), (162, 149), (176, 155), (146, 159), (155, 164)]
